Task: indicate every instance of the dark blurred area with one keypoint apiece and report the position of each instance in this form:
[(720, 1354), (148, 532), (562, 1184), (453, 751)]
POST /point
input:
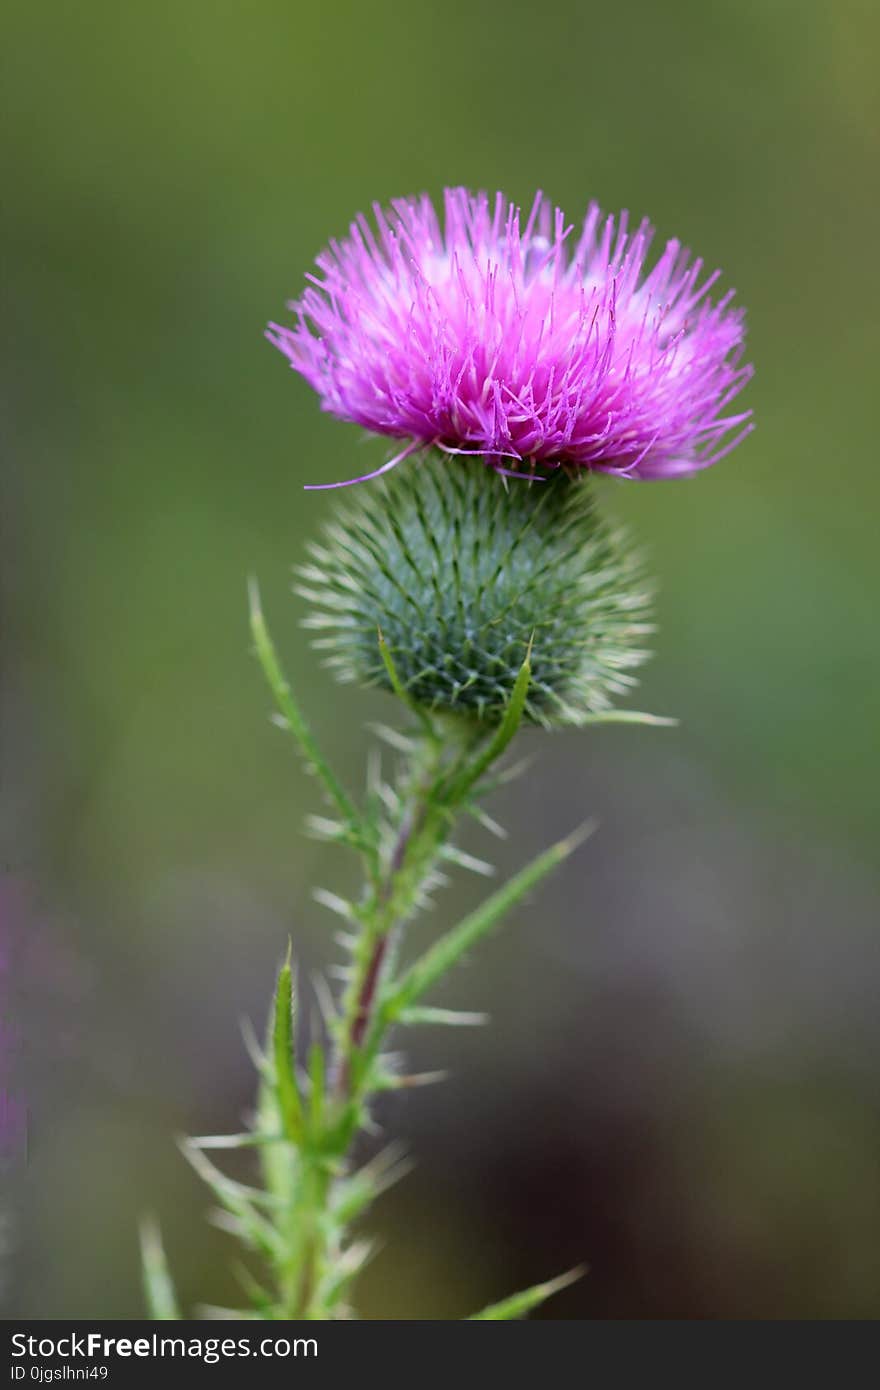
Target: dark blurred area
[(680, 1085)]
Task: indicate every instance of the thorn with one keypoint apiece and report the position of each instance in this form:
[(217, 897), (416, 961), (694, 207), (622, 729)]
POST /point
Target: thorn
[(578, 837), (562, 1281), (334, 903), (387, 1167), (252, 1045), (487, 822), (396, 740), (225, 1221), (254, 605), (424, 1078), (467, 861), (325, 1000), (449, 1017)]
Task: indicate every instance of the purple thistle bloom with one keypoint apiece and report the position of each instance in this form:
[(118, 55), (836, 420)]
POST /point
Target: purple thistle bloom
[(524, 344)]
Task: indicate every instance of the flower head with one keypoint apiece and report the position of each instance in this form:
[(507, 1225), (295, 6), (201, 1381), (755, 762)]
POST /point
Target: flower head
[(527, 344)]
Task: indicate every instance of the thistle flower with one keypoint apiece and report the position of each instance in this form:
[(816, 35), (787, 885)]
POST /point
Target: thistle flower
[(547, 357), (527, 345)]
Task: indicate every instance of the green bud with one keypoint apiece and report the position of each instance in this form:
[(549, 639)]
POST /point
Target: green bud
[(460, 569)]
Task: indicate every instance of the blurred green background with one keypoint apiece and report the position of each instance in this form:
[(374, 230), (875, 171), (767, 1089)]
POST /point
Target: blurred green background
[(681, 1083)]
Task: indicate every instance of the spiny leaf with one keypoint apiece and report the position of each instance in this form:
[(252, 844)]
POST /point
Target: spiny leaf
[(454, 1018), (392, 1081), (159, 1292), (459, 786), (519, 1304), (230, 1192), (262, 1300), (354, 1194), (289, 1101), (399, 689), (291, 713), (347, 1266), (248, 1140), (240, 1201), (630, 716), (438, 959)]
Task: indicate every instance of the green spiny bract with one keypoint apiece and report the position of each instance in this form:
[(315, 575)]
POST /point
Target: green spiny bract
[(461, 570)]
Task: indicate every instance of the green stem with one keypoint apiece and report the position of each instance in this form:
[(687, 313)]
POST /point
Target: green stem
[(410, 858), (306, 1243), (388, 903), (425, 823)]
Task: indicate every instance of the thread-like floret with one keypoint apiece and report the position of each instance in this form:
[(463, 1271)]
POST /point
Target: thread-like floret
[(524, 343)]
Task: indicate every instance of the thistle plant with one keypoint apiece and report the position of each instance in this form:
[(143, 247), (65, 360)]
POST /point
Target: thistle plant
[(479, 584)]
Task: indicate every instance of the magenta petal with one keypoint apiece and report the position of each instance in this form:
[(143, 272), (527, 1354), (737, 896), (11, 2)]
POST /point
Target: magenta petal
[(550, 344)]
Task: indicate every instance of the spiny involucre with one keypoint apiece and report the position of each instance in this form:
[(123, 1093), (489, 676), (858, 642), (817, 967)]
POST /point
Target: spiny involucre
[(463, 575)]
